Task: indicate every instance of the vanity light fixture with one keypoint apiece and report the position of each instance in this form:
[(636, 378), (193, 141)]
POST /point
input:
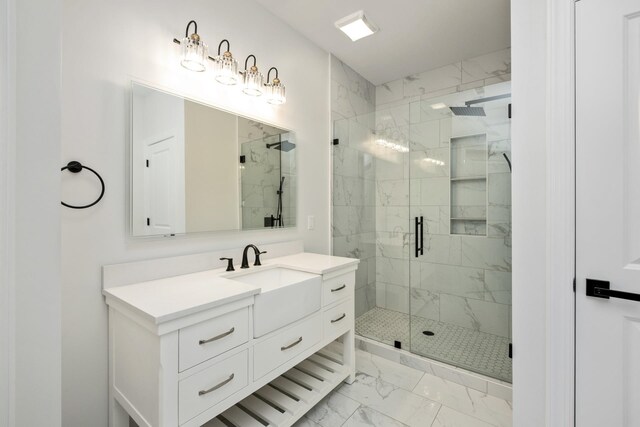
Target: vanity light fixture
[(251, 78), (275, 90), (356, 26), (194, 50), (226, 67)]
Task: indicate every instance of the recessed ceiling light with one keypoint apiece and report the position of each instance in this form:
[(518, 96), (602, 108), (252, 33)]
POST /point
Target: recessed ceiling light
[(438, 106), (356, 26)]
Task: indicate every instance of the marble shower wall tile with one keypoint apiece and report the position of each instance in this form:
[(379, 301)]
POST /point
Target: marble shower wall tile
[(486, 66), (392, 117), (434, 191), (497, 162), (475, 314), (425, 304), (429, 163), (353, 82), (393, 245), (390, 92), (454, 280), (424, 135), (487, 253), (498, 286), (397, 298), (393, 193), (392, 271), (432, 80), (442, 249)]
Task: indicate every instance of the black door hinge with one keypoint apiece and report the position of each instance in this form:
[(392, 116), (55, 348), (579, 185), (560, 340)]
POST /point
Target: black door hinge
[(148, 221), (509, 110), (510, 351), (336, 141), (147, 163), (574, 285)]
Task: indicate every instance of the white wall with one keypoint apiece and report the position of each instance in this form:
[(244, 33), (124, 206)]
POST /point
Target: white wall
[(105, 45), (30, 213)]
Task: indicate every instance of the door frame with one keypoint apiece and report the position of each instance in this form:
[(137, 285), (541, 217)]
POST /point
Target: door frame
[(543, 135), (7, 141)]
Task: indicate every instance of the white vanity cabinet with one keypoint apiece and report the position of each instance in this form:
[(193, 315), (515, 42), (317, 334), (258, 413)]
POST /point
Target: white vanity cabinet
[(182, 354)]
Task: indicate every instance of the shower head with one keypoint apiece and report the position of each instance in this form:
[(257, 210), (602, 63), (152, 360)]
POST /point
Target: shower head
[(468, 110), (285, 146)]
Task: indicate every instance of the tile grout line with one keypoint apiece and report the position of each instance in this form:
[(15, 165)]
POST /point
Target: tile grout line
[(437, 413)]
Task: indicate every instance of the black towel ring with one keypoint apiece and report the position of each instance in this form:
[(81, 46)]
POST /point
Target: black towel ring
[(76, 167)]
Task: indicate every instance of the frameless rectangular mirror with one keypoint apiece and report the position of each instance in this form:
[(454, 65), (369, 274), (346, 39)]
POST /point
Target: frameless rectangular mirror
[(195, 168)]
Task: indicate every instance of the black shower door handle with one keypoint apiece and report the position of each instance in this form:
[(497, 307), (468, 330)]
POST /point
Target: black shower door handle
[(600, 289), (419, 236)]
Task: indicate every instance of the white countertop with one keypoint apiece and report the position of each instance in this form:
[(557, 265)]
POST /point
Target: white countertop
[(173, 297), (313, 263)]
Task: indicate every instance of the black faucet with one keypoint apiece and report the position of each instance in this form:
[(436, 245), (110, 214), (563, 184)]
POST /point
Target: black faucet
[(256, 251)]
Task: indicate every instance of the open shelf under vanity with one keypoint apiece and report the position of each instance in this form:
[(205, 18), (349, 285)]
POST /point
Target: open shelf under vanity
[(288, 397)]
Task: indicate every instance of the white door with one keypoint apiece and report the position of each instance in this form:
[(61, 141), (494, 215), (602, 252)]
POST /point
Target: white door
[(164, 186), (608, 212)]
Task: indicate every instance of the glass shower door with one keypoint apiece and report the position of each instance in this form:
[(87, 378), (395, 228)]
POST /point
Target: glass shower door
[(460, 198), (370, 218)]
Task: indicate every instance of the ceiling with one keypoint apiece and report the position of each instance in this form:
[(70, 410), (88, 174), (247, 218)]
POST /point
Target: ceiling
[(414, 36)]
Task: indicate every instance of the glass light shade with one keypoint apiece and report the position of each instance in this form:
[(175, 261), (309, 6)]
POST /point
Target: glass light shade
[(194, 54), (226, 70), (252, 82), (275, 93)]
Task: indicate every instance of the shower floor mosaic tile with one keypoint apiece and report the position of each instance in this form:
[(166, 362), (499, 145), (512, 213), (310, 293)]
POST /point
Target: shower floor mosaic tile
[(476, 351)]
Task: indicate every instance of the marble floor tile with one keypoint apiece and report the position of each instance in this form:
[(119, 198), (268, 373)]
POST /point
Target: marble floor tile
[(468, 401), (367, 417), (305, 422), (391, 372), (448, 417), (388, 399), (333, 410)]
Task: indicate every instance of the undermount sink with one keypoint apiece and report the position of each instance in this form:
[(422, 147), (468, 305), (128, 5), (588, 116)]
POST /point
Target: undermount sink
[(286, 296)]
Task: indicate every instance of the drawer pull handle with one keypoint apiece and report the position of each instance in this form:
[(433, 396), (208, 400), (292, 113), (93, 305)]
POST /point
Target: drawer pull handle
[(217, 337), (215, 387), (339, 289), (339, 318), (287, 347)]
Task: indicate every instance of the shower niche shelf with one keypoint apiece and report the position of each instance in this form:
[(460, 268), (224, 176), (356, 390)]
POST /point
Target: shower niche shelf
[(468, 185)]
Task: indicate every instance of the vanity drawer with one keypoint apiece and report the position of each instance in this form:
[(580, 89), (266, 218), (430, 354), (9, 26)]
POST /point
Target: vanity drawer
[(337, 320), (275, 351), (338, 288), (212, 337), (206, 388)]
